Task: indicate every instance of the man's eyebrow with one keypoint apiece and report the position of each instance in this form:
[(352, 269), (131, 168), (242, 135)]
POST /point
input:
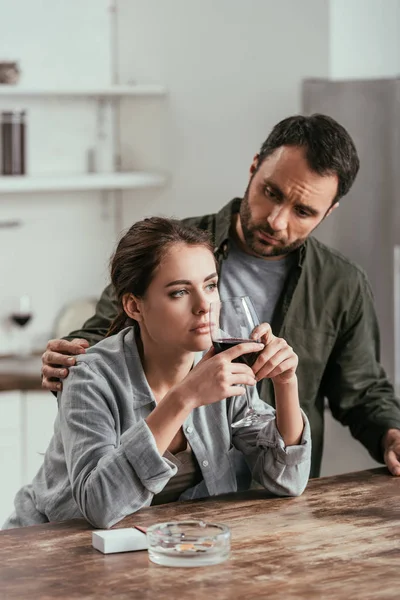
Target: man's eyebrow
[(187, 282)]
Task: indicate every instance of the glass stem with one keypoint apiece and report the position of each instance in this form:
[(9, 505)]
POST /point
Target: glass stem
[(248, 400)]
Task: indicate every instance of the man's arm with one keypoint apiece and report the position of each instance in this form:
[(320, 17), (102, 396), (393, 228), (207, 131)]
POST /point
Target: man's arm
[(59, 354), (95, 328), (359, 393)]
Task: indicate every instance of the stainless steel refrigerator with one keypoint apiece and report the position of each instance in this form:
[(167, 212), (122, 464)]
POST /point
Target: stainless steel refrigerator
[(366, 226)]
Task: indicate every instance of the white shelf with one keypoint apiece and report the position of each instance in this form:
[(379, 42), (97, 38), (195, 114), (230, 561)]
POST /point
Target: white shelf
[(92, 181), (101, 92)]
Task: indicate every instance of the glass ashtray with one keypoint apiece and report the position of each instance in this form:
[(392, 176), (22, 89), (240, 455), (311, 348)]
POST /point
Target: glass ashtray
[(188, 543)]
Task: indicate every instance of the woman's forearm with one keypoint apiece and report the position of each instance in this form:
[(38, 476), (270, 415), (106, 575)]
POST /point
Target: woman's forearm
[(167, 418), (288, 414)]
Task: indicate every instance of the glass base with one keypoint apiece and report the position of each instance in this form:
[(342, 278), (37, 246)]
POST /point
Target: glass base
[(201, 560), (251, 417)]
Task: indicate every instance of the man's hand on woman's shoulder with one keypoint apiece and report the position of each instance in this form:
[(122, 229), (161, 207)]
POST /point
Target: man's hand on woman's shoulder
[(59, 355)]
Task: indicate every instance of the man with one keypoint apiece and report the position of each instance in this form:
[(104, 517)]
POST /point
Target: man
[(315, 298)]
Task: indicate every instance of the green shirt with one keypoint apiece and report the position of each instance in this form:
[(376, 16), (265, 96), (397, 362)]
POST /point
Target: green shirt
[(327, 314)]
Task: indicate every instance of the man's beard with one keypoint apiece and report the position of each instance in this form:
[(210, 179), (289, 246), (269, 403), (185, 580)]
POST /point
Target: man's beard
[(257, 245)]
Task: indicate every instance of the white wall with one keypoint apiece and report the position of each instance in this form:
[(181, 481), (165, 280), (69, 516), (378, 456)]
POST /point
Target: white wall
[(364, 39), (61, 249), (233, 69)]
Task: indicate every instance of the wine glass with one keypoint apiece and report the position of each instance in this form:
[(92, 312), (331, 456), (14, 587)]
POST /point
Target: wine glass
[(232, 322), (20, 316)]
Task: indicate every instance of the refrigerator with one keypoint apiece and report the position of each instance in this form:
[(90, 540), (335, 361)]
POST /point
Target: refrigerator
[(366, 225)]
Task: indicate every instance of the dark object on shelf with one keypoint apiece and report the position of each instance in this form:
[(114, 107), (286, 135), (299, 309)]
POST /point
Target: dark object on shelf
[(13, 131), (10, 224), (9, 72)]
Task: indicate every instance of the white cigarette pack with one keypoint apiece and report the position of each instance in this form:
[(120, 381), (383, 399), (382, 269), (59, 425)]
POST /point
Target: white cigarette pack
[(119, 540)]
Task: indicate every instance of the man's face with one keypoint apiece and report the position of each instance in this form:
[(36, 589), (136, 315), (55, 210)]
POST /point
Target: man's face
[(283, 203)]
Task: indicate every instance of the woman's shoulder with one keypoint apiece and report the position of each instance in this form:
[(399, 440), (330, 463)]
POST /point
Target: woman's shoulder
[(108, 353), (111, 369)]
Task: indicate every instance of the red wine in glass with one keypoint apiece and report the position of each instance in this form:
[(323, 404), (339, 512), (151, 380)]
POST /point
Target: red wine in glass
[(21, 319), (225, 343), (21, 315), (232, 322)]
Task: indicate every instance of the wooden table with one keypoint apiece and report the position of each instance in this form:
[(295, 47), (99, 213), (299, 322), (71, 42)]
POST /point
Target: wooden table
[(339, 541), (20, 373)]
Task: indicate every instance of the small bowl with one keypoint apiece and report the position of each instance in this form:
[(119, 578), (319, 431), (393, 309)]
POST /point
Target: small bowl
[(188, 543)]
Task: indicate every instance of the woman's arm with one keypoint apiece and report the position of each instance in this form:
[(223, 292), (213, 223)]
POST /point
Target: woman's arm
[(279, 454), (109, 480), (288, 414), (212, 379), (280, 468), (279, 362)]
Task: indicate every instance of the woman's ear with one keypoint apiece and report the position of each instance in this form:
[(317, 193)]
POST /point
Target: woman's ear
[(132, 307)]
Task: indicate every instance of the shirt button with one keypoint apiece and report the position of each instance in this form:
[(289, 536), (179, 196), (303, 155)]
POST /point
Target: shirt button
[(189, 429), (205, 463)]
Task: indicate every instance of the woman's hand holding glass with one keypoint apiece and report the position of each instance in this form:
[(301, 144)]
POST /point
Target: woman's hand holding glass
[(277, 361), (217, 377)]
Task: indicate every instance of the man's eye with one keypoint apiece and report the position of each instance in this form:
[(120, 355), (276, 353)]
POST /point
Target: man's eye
[(302, 213), (270, 193)]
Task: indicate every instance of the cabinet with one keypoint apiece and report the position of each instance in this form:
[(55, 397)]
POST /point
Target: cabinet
[(26, 427)]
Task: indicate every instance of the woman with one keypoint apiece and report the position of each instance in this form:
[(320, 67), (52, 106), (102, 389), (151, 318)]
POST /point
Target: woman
[(138, 424)]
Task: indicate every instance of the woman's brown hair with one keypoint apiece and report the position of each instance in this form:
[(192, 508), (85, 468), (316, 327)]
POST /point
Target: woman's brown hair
[(138, 255)]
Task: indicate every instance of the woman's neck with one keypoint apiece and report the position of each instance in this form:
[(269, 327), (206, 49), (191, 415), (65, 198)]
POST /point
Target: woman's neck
[(163, 366)]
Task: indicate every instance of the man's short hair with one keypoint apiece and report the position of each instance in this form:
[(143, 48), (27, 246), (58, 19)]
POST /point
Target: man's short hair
[(328, 147)]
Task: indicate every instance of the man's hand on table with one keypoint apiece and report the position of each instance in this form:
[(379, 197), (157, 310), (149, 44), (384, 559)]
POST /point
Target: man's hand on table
[(59, 355), (391, 448)]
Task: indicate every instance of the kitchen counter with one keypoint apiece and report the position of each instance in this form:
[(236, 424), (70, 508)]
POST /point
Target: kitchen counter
[(18, 373)]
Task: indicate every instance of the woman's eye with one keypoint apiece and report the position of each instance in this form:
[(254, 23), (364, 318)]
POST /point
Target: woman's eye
[(212, 286), (178, 294)]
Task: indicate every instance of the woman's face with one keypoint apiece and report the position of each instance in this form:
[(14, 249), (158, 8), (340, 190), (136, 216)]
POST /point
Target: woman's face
[(175, 308)]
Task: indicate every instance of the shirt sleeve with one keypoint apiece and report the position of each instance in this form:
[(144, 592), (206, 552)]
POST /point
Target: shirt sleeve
[(359, 393), (95, 328), (282, 470), (109, 480)]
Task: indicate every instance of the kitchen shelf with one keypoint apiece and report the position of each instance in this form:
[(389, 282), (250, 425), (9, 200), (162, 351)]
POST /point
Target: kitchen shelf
[(91, 181), (111, 91)]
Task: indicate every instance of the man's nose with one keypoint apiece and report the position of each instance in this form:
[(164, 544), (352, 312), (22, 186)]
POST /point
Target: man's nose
[(278, 218)]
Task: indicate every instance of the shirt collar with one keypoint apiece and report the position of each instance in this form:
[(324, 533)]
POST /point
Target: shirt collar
[(223, 221)]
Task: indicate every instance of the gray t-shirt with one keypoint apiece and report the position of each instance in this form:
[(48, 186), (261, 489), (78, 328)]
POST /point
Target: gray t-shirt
[(263, 280)]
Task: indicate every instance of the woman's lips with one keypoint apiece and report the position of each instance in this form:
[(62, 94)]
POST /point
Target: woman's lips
[(204, 328)]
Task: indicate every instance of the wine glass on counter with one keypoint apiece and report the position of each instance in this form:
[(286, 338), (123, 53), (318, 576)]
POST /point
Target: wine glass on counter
[(20, 316), (232, 322)]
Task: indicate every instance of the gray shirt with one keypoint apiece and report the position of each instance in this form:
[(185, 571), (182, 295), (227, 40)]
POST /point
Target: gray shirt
[(263, 280), (103, 463)]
